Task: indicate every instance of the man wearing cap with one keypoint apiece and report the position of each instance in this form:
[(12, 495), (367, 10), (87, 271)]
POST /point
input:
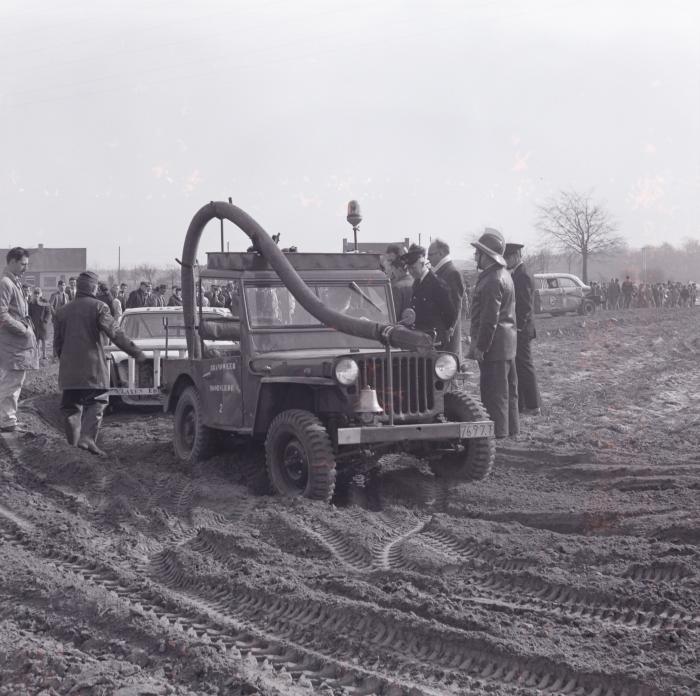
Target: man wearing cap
[(18, 351), (431, 299), (493, 333), (83, 373), (528, 393), (445, 270)]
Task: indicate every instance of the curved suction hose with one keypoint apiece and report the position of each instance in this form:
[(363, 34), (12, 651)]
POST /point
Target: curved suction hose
[(395, 335)]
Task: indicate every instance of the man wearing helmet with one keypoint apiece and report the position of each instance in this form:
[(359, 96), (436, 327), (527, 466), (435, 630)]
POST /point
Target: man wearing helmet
[(493, 333)]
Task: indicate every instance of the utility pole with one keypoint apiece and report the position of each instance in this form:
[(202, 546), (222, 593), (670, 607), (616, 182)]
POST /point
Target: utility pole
[(119, 264)]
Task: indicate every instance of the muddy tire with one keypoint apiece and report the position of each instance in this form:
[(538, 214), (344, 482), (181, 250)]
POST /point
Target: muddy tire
[(299, 456), (193, 441), (475, 461), (587, 308)]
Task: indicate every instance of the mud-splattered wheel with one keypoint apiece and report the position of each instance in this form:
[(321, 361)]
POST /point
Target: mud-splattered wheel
[(474, 459), (192, 439), (587, 308), (299, 456)]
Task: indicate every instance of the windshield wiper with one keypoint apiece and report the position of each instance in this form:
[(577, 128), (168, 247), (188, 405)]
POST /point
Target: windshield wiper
[(354, 286)]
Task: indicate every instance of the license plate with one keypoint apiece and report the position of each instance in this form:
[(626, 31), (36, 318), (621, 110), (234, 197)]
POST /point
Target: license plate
[(467, 430), (136, 391)]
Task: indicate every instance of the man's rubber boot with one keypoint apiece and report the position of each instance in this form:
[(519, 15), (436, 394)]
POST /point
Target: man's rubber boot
[(71, 424), (92, 418)]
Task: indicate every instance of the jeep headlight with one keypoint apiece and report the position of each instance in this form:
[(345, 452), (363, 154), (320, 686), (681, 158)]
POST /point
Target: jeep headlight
[(346, 371), (446, 366)]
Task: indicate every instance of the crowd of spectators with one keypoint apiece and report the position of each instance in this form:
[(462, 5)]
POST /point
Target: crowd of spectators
[(629, 295)]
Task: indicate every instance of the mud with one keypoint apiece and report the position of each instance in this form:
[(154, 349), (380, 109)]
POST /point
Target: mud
[(574, 569)]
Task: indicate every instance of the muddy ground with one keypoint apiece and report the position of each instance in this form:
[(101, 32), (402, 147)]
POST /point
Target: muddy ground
[(574, 569)]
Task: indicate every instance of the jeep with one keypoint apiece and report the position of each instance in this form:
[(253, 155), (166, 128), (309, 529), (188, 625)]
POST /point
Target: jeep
[(314, 379)]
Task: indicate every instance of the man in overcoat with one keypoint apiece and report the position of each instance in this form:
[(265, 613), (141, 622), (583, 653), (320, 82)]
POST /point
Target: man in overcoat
[(18, 351), (493, 334), (40, 314), (445, 270), (138, 298), (431, 299), (83, 373), (528, 393)]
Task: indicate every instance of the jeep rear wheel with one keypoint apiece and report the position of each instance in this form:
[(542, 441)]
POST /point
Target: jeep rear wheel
[(192, 440), (474, 459), (300, 460)]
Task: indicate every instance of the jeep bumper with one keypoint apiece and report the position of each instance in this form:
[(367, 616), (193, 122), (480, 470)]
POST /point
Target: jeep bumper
[(416, 431)]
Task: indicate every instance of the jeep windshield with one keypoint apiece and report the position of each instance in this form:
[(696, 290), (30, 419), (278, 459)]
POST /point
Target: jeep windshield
[(148, 325), (278, 322)]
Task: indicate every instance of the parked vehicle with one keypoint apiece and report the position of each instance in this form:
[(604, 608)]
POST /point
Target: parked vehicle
[(320, 375), (160, 333), (559, 293)]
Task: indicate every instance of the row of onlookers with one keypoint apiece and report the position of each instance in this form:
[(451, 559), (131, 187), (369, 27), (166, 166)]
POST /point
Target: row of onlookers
[(628, 294)]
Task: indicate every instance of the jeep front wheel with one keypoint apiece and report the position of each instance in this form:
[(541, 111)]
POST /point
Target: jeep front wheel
[(474, 457), (299, 456), (192, 440)]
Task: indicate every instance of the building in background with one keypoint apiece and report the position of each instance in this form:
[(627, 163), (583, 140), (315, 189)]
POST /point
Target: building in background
[(48, 266)]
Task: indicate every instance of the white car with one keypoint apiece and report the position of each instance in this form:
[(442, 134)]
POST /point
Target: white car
[(558, 293), (157, 331)]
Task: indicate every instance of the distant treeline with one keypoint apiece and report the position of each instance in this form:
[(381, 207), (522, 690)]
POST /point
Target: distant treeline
[(651, 264)]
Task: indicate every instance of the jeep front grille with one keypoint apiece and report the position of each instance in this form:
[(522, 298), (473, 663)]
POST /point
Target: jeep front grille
[(413, 383)]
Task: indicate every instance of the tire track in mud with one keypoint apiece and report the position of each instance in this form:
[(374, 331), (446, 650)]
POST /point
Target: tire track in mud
[(658, 572), (513, 592), (409, 648), (533, 594), (315, 643)]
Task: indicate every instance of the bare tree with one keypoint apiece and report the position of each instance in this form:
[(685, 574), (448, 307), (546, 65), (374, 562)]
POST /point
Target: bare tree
[(578, 224), (145, 271)]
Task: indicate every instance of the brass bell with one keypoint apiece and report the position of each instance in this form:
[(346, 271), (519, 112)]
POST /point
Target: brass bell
[(367, 401)]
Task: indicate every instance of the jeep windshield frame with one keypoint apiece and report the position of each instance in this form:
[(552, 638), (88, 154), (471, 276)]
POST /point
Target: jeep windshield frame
[(277, 322)]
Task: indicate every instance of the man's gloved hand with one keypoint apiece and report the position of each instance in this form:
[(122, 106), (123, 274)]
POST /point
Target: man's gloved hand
[(474, 353), (141, 358)]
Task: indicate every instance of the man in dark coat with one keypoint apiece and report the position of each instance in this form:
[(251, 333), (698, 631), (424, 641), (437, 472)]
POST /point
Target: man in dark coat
[(431, 299), (83, 373), (176, 298), (138, 298), (528, 393), (445, 270), (40, 314), (493, 334)]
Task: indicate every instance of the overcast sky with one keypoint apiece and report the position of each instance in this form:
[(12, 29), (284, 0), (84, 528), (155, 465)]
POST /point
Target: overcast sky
[(119, 120)]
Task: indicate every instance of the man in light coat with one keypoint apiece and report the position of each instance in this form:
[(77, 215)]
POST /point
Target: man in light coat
[(445, 270), (83, 373), (18, 349)]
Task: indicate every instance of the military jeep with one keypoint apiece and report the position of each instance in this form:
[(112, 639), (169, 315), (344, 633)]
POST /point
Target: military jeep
[(314, 379)]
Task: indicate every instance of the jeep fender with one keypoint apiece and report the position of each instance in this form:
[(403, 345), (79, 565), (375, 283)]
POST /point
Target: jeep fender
[(181, 383), (277, 394)]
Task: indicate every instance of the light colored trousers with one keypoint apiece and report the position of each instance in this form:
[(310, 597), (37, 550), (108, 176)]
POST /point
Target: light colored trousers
[(11, 382)]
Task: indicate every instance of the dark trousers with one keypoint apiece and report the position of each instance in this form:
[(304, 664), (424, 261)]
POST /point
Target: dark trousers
[(82, 410), (499, 394), (528, 393)]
